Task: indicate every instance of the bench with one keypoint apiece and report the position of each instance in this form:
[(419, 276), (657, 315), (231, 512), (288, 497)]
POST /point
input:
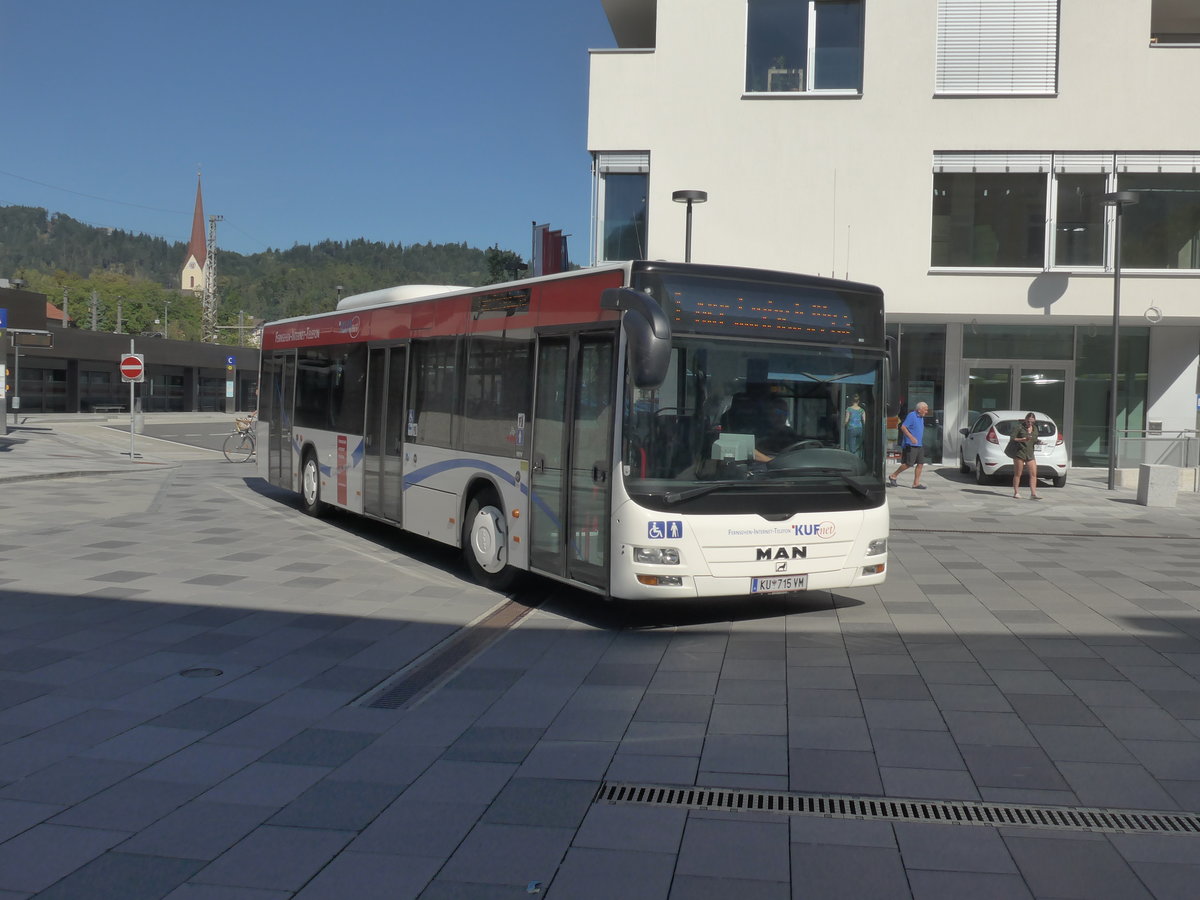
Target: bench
[(108, 409)]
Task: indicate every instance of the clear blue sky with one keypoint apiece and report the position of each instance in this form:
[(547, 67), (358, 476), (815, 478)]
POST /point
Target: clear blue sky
[(393, 120)]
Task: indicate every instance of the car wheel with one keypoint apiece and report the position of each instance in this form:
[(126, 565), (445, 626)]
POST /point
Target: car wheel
[(981, 477), (310, 486), (1059, 481), (962, 464), (485, 543)]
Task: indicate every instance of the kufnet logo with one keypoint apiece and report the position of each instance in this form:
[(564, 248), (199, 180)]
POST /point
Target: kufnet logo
[(811, 529)]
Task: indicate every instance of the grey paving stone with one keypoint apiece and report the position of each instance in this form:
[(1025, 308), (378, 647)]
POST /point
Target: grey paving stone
[(581, 760), (850, 832), (841, 871), (892, 687), (601, 874), (370, 876), (969, 697), (1169, 881), (834, 771), (828, 678), (419, 828), (319, 747), (1116, 785), (1051, 709), (144, 744), (553, 803), (266, 784), (451, 781), (815, 702), (275, 857), (932, 784), (747, 718), (658, 707), (1023, 768), (512, 855), (921, 715), (750, 691), (749, 754), (34, 860), (337, 805), (953, 848), (69, 781), (1088, 870), (978, 886), (640, 768), (203, 763), (1081, 744), (130, 805), (1109, 693), (664, 738), (123, 876), (19, 815), (206, 714), (732, 848), (1140, 723), (996, 728), (574, 724), (828, 733), (617, 827), (915, 749), (1024, 682)]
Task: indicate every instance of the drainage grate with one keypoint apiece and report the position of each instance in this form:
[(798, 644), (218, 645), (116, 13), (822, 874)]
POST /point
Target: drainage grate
[(946, 812), (446, 658)]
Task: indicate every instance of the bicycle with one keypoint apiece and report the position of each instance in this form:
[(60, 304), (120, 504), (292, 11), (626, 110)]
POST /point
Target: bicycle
[(241, 444)]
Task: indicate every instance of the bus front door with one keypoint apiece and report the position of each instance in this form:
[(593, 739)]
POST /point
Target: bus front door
[(383, 464), (572, 444)]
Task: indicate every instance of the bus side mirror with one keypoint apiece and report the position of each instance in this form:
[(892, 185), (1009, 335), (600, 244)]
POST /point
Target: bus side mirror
[(648, 332)]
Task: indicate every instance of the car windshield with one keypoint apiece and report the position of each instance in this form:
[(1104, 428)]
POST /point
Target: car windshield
[(737, 420)]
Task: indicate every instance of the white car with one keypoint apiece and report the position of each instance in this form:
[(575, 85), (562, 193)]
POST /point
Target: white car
[(982, 448)]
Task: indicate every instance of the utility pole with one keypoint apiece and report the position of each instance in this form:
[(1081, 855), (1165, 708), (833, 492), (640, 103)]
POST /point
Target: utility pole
[(208, 313), (119, 299), (92, 302), (166, 305), (66, 316)]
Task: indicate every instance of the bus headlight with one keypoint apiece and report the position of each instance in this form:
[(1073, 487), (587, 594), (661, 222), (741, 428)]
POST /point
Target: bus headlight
[(877, 547), (656, 556)]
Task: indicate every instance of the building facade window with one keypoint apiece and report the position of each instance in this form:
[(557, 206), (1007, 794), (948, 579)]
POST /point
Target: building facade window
[(804, 46), (1174, 22), (620, 188), (997, 47), (989, 220), (1162, 230), (1046, 210)]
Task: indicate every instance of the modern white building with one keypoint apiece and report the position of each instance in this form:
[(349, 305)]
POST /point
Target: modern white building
[(955, 152)]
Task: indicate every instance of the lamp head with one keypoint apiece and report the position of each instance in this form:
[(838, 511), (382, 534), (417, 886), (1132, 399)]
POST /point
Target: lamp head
[(689, 196)]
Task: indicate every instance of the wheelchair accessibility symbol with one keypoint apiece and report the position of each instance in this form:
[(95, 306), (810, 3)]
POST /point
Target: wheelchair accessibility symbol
[(671, 530)]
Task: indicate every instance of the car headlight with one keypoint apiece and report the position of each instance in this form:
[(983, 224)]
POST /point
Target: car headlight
[(877, 546), (656, 556)]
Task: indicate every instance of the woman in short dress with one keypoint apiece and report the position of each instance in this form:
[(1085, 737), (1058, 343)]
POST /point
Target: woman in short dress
[(1026, 437)]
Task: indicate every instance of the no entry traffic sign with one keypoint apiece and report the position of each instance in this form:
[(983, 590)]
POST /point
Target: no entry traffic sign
[(133, 367)]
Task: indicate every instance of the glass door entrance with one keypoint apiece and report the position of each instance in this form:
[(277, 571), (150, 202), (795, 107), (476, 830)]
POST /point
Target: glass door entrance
[(1045, 387)]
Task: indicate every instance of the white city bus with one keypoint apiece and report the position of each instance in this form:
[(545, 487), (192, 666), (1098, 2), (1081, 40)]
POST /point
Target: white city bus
[(642, 430)]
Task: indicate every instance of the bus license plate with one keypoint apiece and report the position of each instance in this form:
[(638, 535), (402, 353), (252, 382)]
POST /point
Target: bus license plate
[(778, 584)]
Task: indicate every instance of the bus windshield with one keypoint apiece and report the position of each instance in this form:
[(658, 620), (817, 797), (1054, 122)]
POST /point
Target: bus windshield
[(736, 421)]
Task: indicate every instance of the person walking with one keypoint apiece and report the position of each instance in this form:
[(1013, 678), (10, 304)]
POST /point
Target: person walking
[(1025, 439), (912, 454), (853, 422)]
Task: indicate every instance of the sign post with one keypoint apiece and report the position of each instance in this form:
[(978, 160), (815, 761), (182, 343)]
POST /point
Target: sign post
[(133, 370)]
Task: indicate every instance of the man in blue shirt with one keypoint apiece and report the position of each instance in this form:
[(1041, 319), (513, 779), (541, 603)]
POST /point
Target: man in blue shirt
[(912, 454)]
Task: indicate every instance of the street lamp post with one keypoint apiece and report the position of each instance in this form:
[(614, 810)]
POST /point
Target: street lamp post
[(689, 197), (1118, 200)]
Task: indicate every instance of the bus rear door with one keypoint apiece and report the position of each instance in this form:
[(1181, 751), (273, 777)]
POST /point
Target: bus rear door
[(383, 434)]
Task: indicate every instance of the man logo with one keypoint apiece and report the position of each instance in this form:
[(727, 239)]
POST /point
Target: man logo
[(782, 553)]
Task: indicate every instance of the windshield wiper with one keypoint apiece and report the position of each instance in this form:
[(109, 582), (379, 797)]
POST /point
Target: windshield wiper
[(673, 497), (849, 480)]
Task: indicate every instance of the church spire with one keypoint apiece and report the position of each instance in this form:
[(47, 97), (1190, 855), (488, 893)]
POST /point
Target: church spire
[(192, 278)]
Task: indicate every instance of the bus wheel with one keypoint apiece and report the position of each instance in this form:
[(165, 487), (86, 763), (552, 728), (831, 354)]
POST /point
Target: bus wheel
[(485, 543), (310, 485)]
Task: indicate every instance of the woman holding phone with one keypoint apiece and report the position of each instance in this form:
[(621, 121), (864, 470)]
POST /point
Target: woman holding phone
[(1025, 438)]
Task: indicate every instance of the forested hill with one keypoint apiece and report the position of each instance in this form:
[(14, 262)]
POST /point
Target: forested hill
[(53, 252)]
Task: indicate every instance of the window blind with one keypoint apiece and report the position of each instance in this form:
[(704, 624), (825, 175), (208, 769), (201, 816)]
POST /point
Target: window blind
[(981, 161), (1158, 162), (623, 163), (997, 47)]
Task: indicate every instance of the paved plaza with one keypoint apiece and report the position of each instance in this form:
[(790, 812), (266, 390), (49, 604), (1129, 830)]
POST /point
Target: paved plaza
[(190, 707)]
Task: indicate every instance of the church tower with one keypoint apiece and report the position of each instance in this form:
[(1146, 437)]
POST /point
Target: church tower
[(192, 278)]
